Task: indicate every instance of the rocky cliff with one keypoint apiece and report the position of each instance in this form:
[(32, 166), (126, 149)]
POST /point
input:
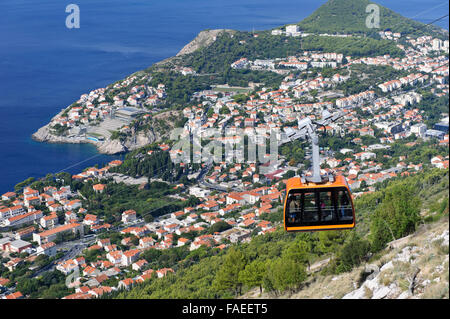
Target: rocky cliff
[(131, 143), (203, 39)]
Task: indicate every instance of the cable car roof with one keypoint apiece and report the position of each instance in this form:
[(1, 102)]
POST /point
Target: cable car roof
[(296, 183)]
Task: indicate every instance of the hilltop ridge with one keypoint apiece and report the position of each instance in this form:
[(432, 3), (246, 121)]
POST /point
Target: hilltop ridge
[(344, 16)]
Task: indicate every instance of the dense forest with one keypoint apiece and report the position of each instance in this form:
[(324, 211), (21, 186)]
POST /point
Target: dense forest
[(138, 163), (364, 77), (433, 107)]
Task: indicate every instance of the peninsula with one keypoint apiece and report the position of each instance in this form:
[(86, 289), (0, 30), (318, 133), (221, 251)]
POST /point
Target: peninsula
[(149, 227)]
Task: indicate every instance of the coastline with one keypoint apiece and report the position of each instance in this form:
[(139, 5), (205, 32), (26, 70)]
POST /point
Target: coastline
[(111, 147), (108, 147)]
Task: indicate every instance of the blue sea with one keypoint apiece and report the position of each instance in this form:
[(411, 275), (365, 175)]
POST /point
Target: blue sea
[(44, 66)]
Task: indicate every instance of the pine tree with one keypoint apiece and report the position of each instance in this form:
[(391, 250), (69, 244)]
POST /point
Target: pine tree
[(227, 278), (253, 274)]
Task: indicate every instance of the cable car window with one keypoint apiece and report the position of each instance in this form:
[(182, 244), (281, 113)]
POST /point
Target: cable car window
[(319, 207), (326, 206), (294, 208), (310, 213), (345, 210)]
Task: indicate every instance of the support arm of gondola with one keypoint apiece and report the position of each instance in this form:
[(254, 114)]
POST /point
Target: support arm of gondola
[(307, 123), (306, 127)]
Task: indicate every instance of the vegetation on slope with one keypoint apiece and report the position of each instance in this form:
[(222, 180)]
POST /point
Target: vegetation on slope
[(349, 16), (279, 261)]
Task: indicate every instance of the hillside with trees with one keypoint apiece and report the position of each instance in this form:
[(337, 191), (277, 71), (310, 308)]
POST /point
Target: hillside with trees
[(281, 263)]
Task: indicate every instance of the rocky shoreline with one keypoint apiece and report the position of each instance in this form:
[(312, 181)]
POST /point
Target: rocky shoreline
[(109, 147)]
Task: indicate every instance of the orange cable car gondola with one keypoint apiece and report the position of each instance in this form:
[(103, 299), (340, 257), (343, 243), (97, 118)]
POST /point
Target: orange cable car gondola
[(314, 203), (318, 206)]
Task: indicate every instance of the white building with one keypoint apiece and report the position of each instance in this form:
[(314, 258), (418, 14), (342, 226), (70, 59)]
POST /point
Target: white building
[(199, 192), (277, 32), (128, 216), (293, 30), (48, 249), (419, 129)]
